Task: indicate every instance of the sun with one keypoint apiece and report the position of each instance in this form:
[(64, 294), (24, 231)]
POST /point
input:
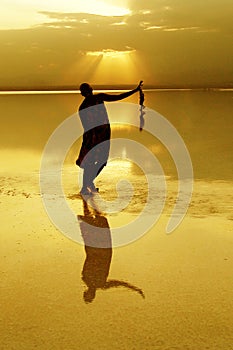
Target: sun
[(96, 7), (28, 13), (109, 67), (103, 8), (112, 66)]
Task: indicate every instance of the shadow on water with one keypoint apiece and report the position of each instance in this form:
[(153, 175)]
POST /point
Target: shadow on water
[(98, 248)]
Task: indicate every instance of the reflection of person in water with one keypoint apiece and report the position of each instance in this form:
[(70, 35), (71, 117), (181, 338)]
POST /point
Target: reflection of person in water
[(96, 133), (98, 248)]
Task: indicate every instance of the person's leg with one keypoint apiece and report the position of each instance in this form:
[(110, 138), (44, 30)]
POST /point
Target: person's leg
[(91, 167), (87, 179), (90, 173), (100, 169)]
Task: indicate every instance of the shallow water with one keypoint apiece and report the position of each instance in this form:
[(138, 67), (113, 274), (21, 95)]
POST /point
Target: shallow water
[(202, 118), (161, 292)]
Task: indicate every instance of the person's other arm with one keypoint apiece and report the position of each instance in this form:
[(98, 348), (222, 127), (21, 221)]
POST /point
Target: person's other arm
[(111, 98)]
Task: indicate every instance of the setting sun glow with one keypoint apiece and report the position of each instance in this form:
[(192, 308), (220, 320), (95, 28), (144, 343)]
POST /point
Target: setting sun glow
[(29, 13), (112, 63), (110, 53)]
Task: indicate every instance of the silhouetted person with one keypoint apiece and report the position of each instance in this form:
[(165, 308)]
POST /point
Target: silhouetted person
[(97, 133), (98, 248)]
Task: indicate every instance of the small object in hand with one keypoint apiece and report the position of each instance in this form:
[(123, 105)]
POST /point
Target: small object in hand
[(141, 101), (141, 97)]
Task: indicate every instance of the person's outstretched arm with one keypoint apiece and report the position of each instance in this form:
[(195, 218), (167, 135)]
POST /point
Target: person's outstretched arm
[(116, 283), (111, 98)]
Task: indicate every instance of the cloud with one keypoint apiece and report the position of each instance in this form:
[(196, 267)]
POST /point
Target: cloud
[(122, 23), (81, 18), (148, 27), (157, 14), (180, 29), (176, 42), (109, 53)]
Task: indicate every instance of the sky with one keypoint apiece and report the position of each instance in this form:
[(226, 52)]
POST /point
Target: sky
[(114, 42)]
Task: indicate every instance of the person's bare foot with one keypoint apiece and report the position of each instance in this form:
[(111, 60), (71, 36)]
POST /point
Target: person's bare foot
[(93, 189)]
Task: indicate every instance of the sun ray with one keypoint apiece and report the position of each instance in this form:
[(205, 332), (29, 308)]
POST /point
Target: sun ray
[(115, 65)]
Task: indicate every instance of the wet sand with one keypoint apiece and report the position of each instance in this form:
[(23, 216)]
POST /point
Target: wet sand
[(185, 277), (168, 292)]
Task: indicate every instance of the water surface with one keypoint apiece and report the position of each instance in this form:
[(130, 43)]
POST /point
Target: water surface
[(203, 119)]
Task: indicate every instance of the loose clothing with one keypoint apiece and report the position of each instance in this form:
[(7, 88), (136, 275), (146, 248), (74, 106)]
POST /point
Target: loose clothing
[(96, 138)]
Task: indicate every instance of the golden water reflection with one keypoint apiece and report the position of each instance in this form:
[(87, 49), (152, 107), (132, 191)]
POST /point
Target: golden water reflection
[(98, 249)]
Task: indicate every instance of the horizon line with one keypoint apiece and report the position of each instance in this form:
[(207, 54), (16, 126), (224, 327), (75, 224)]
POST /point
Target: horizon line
[(116, 87), (54, 92), (110, 88)]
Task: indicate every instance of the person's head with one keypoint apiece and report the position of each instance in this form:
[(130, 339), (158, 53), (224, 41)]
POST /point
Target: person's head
[(89, 295), (86, 89)]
